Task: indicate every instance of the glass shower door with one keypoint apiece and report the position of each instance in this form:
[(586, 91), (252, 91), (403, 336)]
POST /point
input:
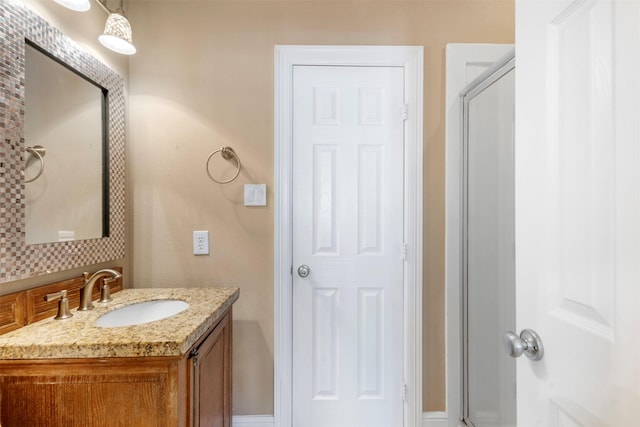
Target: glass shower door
[(489, 374)]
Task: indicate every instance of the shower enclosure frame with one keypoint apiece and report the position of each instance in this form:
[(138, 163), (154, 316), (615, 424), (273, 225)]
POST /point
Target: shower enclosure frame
[(494, 73)]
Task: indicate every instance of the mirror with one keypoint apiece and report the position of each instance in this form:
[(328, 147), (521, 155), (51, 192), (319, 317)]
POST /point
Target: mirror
[(20, 155), (64, 118)]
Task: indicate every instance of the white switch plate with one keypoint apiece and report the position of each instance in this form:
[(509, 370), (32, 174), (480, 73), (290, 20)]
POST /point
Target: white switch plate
[(255, 194), (201, 242)]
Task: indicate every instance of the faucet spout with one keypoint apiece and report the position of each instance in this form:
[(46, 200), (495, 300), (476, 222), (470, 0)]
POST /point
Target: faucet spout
[(89, 281)]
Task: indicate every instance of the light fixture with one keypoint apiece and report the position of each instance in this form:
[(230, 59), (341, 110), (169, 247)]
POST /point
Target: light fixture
[(117, 31), (77, 5)]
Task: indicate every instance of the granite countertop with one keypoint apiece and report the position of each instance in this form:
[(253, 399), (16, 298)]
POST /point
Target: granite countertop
[(78, 337)]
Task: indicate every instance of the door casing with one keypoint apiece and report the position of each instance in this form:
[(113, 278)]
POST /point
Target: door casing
[(411, 59)]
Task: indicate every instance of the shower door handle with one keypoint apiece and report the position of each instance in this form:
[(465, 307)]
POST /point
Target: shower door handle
[(528, 342)]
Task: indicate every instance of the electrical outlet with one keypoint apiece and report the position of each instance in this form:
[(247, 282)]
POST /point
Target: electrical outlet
[(201, 242)]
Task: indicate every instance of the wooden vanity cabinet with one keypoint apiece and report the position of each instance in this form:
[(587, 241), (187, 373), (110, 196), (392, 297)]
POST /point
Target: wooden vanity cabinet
[(210, 378), (184, 391)]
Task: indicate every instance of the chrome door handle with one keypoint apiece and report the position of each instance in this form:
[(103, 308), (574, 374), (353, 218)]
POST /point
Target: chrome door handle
[(528, 342), (303, 271)]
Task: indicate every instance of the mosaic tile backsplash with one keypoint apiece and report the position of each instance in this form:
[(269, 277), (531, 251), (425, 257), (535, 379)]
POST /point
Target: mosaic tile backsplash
[(17, 259)]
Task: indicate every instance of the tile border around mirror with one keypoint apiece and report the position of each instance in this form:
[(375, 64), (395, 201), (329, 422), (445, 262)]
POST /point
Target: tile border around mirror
[(17, 259)]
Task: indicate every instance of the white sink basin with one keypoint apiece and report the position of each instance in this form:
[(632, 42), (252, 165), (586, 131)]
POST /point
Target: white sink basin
[(143, 312)]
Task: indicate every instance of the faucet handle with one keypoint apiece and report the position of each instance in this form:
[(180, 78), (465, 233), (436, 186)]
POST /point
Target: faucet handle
[(63, 304), (105, 290)]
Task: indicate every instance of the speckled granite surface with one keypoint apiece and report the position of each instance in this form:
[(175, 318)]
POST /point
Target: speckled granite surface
[(78, 337)]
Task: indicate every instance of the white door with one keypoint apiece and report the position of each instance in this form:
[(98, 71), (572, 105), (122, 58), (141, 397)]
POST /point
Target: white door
[(348, 139), (578, 210)]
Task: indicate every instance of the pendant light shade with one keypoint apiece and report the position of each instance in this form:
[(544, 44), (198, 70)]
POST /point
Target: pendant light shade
[(77, 5), (117, 34), (117, 30)]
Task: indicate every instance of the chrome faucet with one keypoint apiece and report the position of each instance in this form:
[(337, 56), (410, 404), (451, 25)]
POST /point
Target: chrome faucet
[(90, 281)]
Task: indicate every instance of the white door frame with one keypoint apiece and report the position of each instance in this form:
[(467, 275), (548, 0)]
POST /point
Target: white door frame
[(286, 57)]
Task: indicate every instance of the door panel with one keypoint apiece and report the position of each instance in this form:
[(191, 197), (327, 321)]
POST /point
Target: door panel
[(348, 171), (578, 210), (582, 85)]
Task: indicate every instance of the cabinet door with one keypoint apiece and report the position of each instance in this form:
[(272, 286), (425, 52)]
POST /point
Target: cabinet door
[(118, 392), (211, 364)]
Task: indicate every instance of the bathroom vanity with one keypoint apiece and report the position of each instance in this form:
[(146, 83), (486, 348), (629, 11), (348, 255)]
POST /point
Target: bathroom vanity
[(170, 372)]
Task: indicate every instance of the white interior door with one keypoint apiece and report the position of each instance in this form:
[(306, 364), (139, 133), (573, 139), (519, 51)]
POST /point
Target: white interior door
[(348, 136), (578, 210)]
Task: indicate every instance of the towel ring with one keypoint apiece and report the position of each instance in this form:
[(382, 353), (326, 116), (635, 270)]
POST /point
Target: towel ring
[(38, 151), (227, 153)]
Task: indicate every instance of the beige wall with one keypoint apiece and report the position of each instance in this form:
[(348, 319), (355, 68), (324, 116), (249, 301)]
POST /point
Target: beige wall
[(203, 78)]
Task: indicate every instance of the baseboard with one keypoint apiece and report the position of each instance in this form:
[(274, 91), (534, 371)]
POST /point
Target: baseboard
[(429, 419), (252, 421), (434, 419)]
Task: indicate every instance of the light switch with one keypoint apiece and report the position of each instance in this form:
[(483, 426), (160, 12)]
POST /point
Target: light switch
[(255, 194), (201, 242)]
